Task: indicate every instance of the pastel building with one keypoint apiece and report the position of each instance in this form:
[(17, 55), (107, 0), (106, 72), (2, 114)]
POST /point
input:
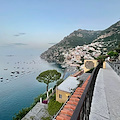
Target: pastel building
[(65, 89)]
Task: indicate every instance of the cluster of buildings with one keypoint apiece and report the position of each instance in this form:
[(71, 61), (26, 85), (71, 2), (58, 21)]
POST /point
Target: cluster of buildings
[(71, 89), (67, 87), (76, 56)]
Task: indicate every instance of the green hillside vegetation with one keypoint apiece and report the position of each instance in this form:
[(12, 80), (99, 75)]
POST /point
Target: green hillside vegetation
[(115, 28), (110, 38), (79, 37), (112, 41)]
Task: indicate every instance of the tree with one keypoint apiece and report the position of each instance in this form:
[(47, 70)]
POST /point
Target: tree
[(101, 58), (113, 54), (48, 77)]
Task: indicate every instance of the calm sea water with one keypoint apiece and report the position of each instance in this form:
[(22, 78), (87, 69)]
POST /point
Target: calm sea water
[(18, 84)]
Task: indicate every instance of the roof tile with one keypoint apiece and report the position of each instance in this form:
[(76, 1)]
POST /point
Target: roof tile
[(69, 108), (63, 117), (76, 96), (72, 102), (74, 99), (67, 112)]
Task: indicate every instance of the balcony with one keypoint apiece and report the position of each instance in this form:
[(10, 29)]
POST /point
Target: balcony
[(99, 100)]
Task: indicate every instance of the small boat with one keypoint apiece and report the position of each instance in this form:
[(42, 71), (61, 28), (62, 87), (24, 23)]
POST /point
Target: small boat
[(5, 69), (12, 72), (17, 72)]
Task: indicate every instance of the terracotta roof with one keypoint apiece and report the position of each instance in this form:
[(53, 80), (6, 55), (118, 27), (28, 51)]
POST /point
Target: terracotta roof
[(67, 111)]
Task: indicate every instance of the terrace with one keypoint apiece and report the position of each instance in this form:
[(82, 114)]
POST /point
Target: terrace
[(97, 99)]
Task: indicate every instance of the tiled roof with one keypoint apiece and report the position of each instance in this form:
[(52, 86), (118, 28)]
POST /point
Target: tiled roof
[(67, 111)]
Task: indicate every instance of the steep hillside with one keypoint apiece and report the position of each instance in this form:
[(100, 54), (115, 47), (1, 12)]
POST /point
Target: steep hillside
[(110, 36), (108, 39), (78, 37)]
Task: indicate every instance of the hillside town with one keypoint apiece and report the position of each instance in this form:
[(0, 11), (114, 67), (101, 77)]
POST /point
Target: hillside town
[(87, 66), (76, 56)]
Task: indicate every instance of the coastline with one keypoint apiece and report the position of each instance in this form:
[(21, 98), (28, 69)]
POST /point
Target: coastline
[(19, 92)]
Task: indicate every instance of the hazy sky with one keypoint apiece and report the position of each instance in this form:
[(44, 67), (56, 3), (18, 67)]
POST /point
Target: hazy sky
[(35, 23)]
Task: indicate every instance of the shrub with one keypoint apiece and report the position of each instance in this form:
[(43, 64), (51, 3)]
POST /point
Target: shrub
[(53, 97), (37, 99), (101, 58), (59, 82), (113, 54), (90, 51), (46, 118), (53, 106), (54, 87), (50, 92), (24, 111), (21, 113)]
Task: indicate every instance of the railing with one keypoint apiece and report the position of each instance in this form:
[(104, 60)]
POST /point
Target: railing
[(115, 66), (54, 117), (82, 110)]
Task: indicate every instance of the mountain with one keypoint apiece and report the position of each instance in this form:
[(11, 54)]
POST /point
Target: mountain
[(109, 38), (78, 37)]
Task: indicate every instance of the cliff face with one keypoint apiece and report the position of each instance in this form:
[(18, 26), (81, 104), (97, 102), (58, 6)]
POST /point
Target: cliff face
[(110, 37)]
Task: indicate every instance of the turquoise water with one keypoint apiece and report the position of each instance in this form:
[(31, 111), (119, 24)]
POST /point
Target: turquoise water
[(19, 88)]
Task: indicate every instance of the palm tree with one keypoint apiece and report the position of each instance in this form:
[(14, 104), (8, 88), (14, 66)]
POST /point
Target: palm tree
[(48, 77)]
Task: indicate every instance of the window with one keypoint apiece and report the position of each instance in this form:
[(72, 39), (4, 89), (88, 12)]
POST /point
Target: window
[(60, 96)]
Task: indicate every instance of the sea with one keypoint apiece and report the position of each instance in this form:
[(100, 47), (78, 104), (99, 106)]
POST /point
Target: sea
[(19, 68)]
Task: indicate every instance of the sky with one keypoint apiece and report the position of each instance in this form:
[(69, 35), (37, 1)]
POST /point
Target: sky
[(39, 23)]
